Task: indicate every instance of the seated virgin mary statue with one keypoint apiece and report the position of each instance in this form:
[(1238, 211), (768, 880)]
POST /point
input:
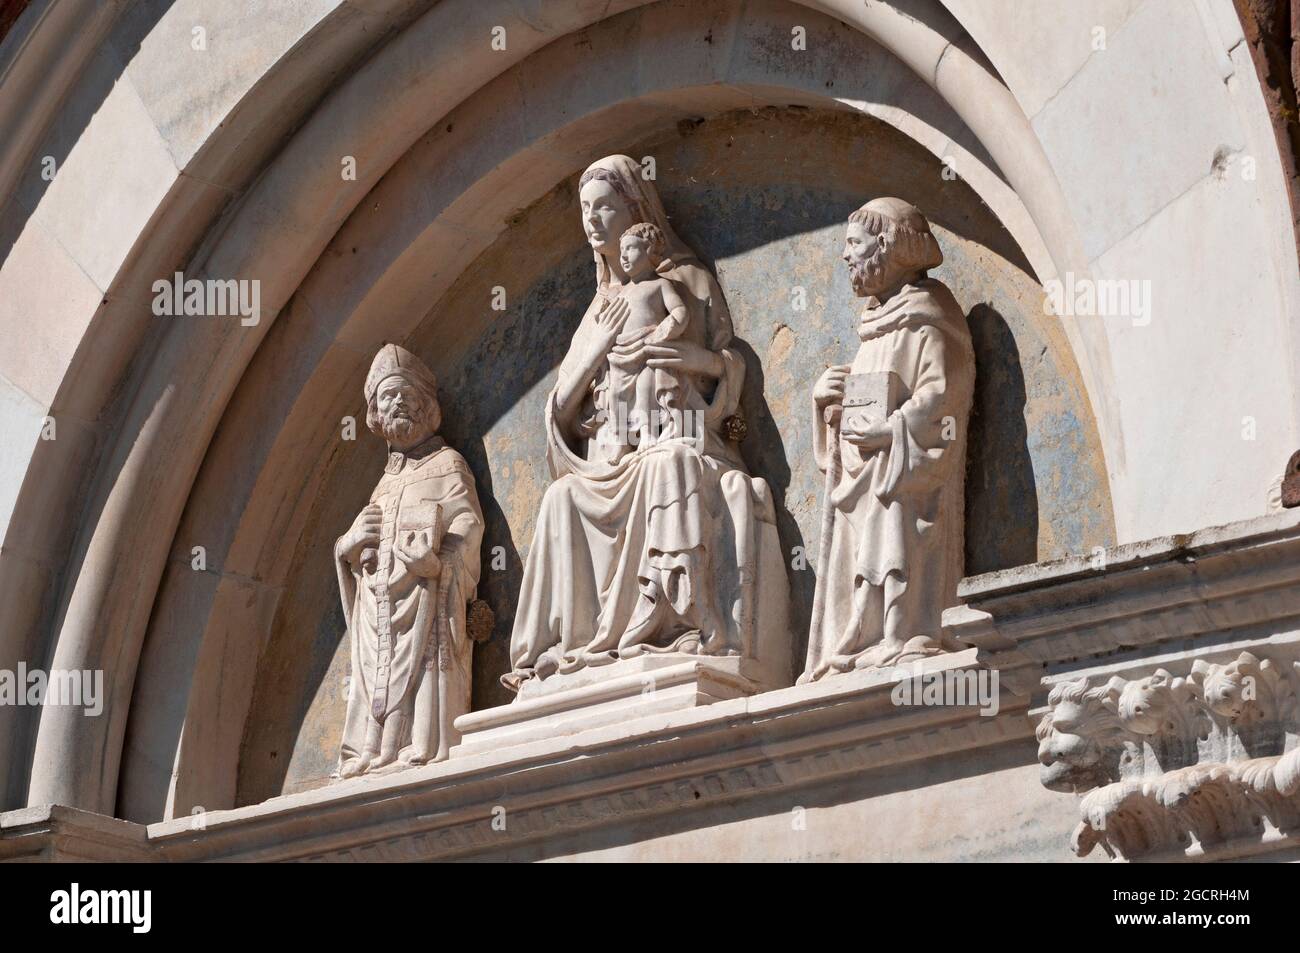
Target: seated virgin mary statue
[(668, 547)]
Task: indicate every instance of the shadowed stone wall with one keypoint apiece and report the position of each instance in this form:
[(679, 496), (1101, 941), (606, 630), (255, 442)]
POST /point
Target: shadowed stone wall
[(749, 191)]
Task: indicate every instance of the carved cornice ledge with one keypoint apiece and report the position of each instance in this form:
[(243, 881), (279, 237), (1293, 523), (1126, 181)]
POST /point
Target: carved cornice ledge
[(52, 833), (727, 751), (1174, 668), (1238, 581)]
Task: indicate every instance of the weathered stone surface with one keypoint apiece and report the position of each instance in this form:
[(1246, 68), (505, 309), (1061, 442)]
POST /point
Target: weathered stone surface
[(804, 760), (1036, 482), (1171, 669), (1128, 142), (1289, 494), (1170, 764)]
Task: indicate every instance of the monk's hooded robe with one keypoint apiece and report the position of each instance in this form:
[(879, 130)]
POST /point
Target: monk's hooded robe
[(899, 510)]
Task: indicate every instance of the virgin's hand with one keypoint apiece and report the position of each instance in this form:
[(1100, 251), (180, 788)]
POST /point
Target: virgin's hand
[(600, 336), (684, 357), (608, 324)]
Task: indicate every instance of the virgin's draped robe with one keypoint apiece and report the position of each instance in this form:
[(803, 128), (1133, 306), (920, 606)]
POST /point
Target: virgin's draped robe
[(682, 517), (899, 511), (683, 513), (429, 650)]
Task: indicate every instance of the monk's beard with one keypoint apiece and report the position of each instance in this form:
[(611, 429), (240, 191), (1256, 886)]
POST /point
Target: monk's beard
[(868, 277)]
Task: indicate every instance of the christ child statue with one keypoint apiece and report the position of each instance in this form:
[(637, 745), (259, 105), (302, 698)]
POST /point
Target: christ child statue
[(644, 398)]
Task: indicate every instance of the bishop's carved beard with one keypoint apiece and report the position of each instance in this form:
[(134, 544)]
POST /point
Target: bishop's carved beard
[(402, 432), (868, 276)]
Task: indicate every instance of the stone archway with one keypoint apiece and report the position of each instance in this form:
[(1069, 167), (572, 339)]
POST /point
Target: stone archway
[(150, 422)]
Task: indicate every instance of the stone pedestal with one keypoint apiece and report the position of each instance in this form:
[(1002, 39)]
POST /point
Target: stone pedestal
[(846, 768), (598, 697)]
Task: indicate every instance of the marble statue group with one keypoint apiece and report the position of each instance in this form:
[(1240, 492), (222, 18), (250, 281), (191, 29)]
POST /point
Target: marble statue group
[(655, 550)]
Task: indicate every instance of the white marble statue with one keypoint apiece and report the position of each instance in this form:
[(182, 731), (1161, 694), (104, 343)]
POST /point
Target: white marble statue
[(647, 542), (643, 405), (890, 433), (406, 569)]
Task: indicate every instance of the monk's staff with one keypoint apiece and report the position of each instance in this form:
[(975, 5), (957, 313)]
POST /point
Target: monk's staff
[(832, 415)]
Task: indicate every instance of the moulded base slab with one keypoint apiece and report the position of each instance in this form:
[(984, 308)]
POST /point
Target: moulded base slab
[(606, 695)]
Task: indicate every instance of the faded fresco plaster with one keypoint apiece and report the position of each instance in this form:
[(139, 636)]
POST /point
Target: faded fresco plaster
[(749, 191)]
